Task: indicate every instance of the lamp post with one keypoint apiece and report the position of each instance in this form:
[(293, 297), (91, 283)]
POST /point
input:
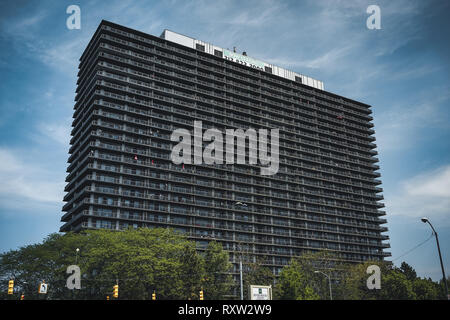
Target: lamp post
[(76, 262), (329, 282), (425, 220), (240, 259)]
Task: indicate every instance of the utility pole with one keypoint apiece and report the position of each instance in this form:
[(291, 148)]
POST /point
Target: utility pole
[(329, 282), (240, 271), (425, 220), (239, 203)]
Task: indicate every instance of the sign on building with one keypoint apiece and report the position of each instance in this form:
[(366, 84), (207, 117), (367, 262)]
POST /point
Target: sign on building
[(245, 60), (260, 292)]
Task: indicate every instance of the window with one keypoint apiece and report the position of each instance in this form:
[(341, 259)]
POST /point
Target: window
[(103, 224), (267, 69), (179, 220), (200, 47), (298, 79), (218, 53)]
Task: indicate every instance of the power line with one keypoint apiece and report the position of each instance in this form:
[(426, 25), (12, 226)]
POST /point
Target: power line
[(414, 248)]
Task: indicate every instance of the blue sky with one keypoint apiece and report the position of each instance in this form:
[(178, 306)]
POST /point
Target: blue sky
[(402, 70)]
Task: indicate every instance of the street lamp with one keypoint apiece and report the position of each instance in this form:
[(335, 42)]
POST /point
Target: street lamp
[(329, 282), (76, 255), (425, 220), (239, 203)]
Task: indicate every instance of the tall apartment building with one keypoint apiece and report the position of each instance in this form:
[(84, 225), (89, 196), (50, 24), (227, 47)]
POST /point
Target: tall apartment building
[(134, 89)]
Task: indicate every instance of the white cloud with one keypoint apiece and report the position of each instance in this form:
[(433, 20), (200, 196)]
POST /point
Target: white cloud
[(434, 184), (327, 60), (64, 56), (400, 127), (23, 183), (22, 26), (57, 132), (426, 194), (252, 18)]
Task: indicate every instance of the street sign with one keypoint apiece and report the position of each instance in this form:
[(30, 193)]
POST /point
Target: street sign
[(43, 288), (260, 292)]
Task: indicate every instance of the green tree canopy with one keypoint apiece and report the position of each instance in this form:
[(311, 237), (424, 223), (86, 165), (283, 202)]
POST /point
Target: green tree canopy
[(396, 283), (299, 281), (217, 281), (408, 271), (256, 274), (142, 261)]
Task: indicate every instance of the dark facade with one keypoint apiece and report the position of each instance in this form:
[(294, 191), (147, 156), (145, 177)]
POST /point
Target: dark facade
[(134, 89)]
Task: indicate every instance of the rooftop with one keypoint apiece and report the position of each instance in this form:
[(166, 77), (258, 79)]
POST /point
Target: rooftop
[(240, 58)]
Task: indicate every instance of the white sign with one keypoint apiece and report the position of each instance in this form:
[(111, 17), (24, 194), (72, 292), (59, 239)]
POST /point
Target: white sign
[(43, 288), (260, 292)]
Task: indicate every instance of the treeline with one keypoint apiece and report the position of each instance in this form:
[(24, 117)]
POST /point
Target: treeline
[(299, 280), (143, 261)]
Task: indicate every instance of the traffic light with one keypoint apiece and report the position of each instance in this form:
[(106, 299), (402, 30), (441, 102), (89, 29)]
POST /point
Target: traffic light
[(153, 295), (22, 297), (201, 294), (116, 291), (10, 286), (107, 297)]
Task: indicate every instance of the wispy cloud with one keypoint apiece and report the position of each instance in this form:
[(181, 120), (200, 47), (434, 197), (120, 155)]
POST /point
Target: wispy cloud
[(426, 194), (56, 132), (23, 25), (400, 127), (251, 18), (63, 56), (25, 183), (329, 59)]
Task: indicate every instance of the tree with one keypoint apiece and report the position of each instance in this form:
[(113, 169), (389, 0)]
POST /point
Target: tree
[(293, 283), (442, 293), (408, 271), (141, 261), (47, 262), (217, 281), (396, 286), (299, 281), (354, 282), (257, 274), (396, 283), (193, 272), (425, 289)]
